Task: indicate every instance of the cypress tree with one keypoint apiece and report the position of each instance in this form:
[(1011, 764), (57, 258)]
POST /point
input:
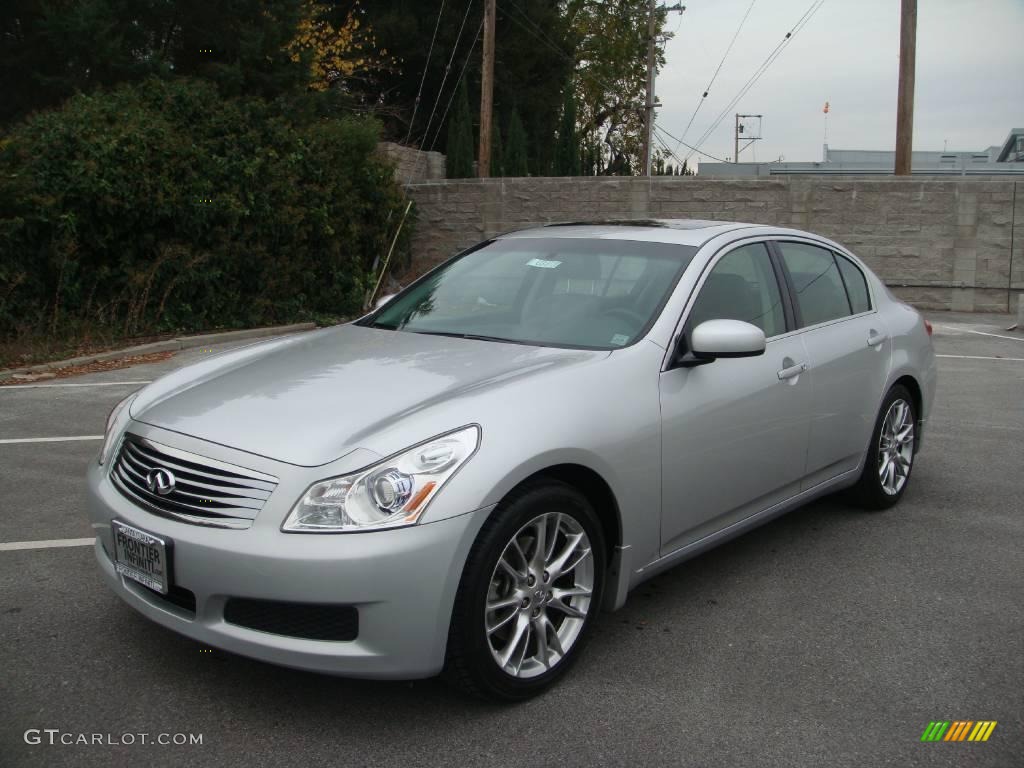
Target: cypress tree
[(567, 150), (459, 164), (497, 158), (515, 160)]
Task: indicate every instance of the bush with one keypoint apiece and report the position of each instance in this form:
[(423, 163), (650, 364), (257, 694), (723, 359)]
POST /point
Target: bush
[(160, 206)]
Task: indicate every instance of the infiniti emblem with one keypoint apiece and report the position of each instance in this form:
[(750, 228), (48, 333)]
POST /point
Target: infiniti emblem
[(160, 481)]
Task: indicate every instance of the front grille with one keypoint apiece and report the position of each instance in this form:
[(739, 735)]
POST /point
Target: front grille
[(203, 491), (312, 621)]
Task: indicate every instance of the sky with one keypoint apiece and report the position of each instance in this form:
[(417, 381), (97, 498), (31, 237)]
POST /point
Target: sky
[(970, 75)]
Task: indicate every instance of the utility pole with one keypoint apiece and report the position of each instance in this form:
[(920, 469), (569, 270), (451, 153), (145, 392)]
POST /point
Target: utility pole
[(736, 140), (742, 128), (486, 92), (652, 61), (905, 97)]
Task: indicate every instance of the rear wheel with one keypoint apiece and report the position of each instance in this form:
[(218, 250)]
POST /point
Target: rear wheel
[(529, 593), (890, 456)]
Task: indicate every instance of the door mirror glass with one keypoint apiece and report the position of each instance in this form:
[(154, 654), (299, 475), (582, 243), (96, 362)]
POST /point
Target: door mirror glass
[(726, 338)]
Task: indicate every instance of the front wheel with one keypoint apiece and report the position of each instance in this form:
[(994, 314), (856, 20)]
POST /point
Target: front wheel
[(529, 593), (890, 456)]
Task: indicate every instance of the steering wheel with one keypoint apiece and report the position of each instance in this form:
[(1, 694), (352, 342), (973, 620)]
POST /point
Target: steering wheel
[(626, 314)]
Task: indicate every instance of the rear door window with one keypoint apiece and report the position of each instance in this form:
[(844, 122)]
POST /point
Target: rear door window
[(856, 285), (820, 293)]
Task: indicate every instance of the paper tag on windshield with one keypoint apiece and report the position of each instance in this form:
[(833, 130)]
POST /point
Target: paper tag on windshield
[(542, 264), (619, 339)]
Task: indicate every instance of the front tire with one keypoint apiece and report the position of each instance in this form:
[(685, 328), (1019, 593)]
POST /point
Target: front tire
[(529, 594), (890, 457)]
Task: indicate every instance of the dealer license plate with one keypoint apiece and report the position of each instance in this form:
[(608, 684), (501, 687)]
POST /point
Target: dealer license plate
[(141, 556)]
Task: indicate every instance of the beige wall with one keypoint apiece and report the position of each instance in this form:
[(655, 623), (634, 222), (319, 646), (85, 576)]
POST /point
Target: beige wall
[(939, 243), (411, 165)]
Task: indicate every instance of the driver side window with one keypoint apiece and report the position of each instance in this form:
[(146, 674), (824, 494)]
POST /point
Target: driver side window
[(742, 286)]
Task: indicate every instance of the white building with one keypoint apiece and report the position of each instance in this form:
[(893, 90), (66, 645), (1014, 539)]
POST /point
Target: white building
[(999, 159)]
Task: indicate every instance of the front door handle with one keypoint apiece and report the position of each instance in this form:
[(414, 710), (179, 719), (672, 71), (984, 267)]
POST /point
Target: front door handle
[(875, 338), (791, 371)]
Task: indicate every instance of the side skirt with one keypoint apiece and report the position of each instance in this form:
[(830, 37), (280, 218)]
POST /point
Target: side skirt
[(682, 554)]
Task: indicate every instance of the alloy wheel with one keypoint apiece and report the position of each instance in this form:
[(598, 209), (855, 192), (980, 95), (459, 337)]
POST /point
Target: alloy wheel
[(896, 447), (539, 595)]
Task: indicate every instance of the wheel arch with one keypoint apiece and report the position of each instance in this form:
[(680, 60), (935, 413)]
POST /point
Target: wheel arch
[(914, 388), (597, 491)]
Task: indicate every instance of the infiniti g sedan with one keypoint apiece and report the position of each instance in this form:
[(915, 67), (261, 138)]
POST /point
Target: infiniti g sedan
[(462, 480)]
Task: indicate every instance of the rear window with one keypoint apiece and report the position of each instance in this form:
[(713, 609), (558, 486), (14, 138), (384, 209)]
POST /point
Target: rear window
[(820, 293), (856, 285)]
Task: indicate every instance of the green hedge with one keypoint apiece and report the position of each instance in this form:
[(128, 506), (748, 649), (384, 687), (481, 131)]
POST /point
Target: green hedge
[(161, 206)]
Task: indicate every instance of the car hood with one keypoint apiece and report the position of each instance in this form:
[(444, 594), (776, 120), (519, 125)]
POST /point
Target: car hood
[(311, 399)]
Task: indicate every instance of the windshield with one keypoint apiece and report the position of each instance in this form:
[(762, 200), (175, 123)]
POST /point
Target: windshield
[(562, 292)]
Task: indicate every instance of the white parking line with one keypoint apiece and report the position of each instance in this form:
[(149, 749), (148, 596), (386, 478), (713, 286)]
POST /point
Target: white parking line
[(49, 439), (10, 546), (979, 333), (981, 357), (89, 384)]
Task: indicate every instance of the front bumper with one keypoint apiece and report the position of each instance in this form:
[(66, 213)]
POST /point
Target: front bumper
[(402, 582)]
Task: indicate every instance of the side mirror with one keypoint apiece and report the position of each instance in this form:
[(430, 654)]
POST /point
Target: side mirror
[(383, 300), (722, 338)]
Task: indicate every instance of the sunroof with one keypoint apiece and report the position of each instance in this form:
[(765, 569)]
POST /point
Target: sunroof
[(662, 223)]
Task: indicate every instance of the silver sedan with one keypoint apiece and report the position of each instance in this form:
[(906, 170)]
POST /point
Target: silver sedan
[(461, 480)]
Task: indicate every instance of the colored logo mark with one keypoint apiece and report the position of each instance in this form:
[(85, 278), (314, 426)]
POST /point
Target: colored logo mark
[(958, 730)]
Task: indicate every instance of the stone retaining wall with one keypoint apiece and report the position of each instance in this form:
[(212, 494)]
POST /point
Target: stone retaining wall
[(939, 243)]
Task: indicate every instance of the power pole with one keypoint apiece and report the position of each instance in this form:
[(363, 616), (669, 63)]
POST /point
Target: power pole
[(742, 128), (905, 97), (736, 140), (649, 103), (649, 100), (486, 92)]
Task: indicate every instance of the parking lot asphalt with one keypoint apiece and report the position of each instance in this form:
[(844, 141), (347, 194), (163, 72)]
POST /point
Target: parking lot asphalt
[(830, 636)]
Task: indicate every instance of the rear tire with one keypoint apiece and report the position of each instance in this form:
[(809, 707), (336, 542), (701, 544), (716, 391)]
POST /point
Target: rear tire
[(529, 594), (890, 457)]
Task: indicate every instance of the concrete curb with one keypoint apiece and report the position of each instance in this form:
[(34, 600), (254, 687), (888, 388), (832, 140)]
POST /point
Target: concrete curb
[(168, 345)]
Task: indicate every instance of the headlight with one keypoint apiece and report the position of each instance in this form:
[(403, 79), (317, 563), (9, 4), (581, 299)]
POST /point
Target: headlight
[(115, 422), (390, 494)]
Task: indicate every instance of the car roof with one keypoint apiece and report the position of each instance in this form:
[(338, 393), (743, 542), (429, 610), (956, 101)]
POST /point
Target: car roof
[(682, 231)]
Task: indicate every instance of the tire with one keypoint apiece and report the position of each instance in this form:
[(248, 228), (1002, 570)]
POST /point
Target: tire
[(531, 594), (873, 491)]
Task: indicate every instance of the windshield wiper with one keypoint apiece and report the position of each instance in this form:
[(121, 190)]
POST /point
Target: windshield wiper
[(474, 336)]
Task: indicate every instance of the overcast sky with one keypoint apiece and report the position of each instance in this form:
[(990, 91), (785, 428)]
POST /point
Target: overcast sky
[(970, 74)]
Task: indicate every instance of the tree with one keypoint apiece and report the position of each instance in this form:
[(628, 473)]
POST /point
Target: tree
[(516, 163), (497, 152), (339, 48), (533, 60), (460, 138), (50, 51), (611, 55), (567, 150)]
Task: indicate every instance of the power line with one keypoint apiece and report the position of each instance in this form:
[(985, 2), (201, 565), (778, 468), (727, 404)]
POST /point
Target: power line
[(440, 90), (688, 146), (806, 17), (800, 24), (462, 74), (423, 77), (707, 89)]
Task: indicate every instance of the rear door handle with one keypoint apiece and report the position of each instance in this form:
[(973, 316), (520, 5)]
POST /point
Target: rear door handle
[(793, 370), (875, 338)]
